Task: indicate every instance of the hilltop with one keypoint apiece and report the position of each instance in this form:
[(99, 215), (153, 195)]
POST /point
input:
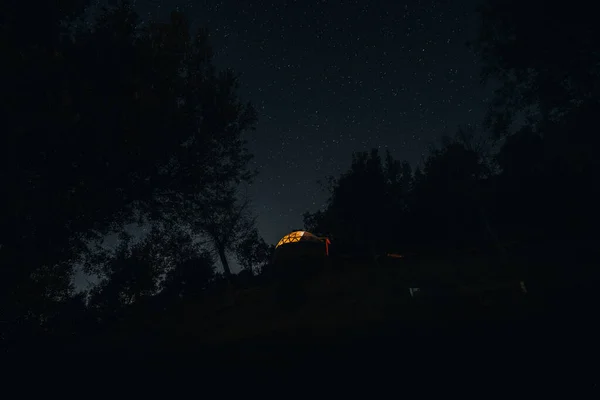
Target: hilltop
[(353, 304)]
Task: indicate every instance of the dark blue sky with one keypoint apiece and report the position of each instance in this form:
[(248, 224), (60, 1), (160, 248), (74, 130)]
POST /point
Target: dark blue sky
[(333, 77)]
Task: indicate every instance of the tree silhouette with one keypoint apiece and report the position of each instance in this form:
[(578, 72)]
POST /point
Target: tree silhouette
[(545, 59), (225, 220), (124, 121), (141, 121), (188, 279), (140, 269), (520, 188), (127, 277), (446, 199), (366, 204), (253, 252), (381, 206)]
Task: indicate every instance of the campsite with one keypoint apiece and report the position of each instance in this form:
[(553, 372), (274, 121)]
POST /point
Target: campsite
[(245, 183), (335, 304)]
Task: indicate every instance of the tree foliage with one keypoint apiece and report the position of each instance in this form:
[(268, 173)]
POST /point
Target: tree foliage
[(123, 121), (253, 252), (379, 206), (365, 204), (225, 221), (106, 123), (138, 270), (189, 278), (545, 59)]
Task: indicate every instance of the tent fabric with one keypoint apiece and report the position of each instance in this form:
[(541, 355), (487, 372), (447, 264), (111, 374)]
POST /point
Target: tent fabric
[(298, 236), (301, 251), (301, 245)]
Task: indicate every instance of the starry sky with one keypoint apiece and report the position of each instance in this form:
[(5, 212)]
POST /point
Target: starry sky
[(330, 77)]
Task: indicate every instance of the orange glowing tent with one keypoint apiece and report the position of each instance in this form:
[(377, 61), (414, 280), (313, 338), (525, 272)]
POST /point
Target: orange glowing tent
[(301, 244)]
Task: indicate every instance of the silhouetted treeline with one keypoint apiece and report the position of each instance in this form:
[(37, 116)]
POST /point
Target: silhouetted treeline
[(527, 180), (121, 121), (109, 123)]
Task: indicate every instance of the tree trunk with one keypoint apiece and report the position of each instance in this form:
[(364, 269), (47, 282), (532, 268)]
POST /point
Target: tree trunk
[(224, 262)]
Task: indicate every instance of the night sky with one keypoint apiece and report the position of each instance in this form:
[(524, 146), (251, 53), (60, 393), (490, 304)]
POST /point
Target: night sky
[(331, 77)]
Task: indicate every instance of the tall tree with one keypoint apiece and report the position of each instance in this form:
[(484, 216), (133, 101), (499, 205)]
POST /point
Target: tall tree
[(253, 252), (226, 220), (139, 120), (544, 56), (447, 202), (365, 205), (545, 59), (139, 270)]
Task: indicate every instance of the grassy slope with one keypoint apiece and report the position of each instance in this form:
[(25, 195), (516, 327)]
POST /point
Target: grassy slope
[(340, 303), (360, 308)]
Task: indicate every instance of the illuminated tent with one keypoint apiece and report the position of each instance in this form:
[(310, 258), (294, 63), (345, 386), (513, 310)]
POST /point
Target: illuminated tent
[(301, 244)]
